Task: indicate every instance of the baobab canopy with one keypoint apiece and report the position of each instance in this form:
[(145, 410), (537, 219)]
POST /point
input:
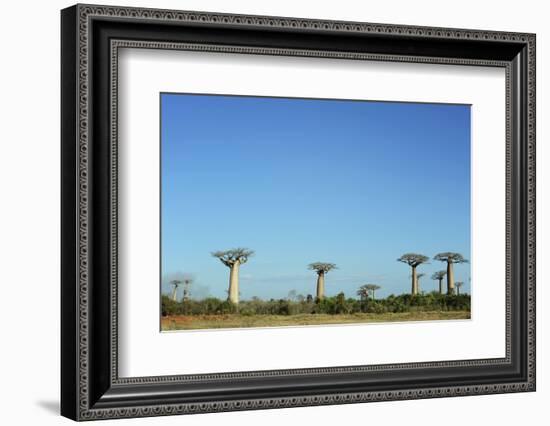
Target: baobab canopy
[(321, 267), (230, 257), (450, 257), (439, 275), (413, 259)]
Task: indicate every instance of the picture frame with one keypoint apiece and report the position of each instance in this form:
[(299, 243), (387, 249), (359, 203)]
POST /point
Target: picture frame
[(90, 384)]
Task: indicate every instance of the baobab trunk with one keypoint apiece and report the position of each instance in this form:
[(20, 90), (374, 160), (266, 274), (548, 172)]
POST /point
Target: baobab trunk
[(175, 294), (414, 284), (234, 283), (321, 285), (440, 289), (450, 279)]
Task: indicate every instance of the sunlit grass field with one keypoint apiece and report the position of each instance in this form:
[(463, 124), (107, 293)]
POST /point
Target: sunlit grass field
[(195, 322)]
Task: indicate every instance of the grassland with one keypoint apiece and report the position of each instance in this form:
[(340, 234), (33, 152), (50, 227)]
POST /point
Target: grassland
[(195, 322)]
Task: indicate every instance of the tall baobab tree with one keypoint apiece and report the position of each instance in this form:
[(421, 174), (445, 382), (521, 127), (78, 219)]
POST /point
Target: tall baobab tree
[(321, 268), (413, 260), (176, 284), (438, 276), (458, 284), (450, 258), (233, 259)]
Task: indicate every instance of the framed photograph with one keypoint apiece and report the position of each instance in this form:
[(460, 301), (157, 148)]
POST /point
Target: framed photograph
[(263, 212)]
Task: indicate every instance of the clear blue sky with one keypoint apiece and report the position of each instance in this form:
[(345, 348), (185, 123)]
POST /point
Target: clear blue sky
[(355, 183)]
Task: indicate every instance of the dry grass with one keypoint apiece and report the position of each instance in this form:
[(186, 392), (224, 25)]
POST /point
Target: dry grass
[(194, 322)]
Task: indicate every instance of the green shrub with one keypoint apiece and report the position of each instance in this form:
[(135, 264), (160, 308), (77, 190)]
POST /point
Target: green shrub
[(333, 305)]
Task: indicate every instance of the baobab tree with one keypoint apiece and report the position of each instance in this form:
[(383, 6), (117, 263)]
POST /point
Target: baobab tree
[(363, 292), (458, 284), (233, 259), (321, 268), (450, 258), (438, 276), (372, 288), (187, 280), (176, 284), (413, 260)]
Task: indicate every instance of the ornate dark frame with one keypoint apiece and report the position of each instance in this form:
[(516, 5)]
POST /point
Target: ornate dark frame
[(90, 386)]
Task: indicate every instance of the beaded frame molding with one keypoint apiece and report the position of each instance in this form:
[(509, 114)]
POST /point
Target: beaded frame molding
[(91, 38)]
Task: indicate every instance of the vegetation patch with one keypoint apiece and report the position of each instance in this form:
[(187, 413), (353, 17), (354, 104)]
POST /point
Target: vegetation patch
[(339, 309), (194, 322)]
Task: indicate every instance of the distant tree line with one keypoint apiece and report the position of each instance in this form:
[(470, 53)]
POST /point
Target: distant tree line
[(234, 258), (298, 304), (334, 305)]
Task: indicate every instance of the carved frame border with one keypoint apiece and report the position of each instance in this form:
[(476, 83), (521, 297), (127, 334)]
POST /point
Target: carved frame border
[(85, 13)]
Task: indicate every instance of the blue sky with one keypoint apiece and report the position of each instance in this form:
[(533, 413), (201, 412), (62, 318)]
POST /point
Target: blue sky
[(355, 183)]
